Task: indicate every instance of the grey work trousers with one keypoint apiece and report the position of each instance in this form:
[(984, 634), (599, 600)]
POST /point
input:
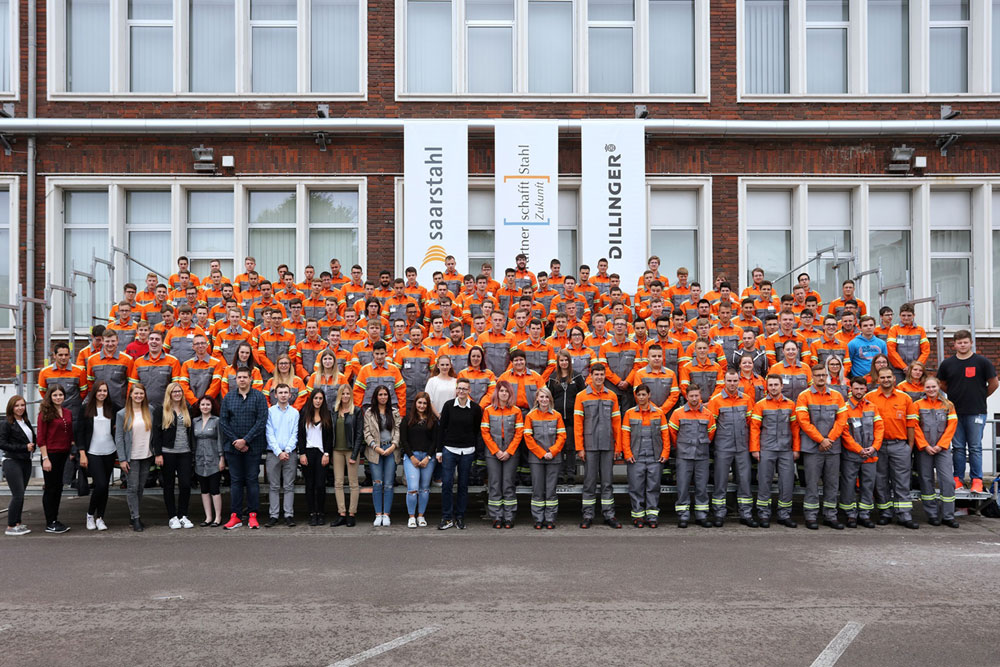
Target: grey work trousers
[(823, 466), (851, 471), (544, 478), (597, 472), (644, 477), (784, 463), (692, 473), (502, 479), (739, 463), (937, 505), (892, 480), (138, 472), (281, 484)]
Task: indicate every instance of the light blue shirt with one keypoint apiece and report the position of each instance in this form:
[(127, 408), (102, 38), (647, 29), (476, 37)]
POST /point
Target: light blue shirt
[(282, 429), (862, 351)]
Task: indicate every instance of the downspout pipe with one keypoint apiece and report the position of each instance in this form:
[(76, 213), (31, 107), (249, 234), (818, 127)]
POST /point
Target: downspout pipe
[(31, 360)]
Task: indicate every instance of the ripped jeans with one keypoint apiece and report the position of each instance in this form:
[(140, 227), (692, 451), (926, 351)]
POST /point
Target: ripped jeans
[(418, 483)]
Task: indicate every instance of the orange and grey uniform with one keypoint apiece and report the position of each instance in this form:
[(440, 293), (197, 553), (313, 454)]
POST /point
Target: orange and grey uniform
[(459, 355), (597, 426), (820, 415), (526, 386), (540, 356), (728, 338), (732, 450), (415, 364), (937, 424), (179, 342), (201, 378), (774, 432), (544, 432), (691, 434), (72, 380), (836, 307), (497, 348), (298, 328), (895, 458), (481, 384), (308, 352), (663, 389), (825, 348), (371, 377), (229, 380), (580, 359), (114, 370), (795, 378), (155, 373), (591, 340), (673, 350), (645, 438), (906, 344), (775, 343), (126, 332), (502, 428), (328, 384), (708, 376), (857, 473), (914, 391), (271, 346), (621, 359)]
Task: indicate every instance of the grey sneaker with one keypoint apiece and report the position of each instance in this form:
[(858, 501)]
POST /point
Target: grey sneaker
[(20, 529), (446, 524)]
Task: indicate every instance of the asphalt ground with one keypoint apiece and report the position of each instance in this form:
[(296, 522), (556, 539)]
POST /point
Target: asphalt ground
[(316, 596)]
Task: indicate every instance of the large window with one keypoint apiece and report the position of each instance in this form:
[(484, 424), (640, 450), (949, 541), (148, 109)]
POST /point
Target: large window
[(553, 47), (569, 225), (830, 225), (8, 257), (837, 48), (889, 226), (278, 221), (673, 230), (769, 235), (951, 249), (482, 222), (8, 43), (995, 234), (207, 47)]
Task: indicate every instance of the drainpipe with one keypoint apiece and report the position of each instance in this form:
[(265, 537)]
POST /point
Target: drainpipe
[(31, 360)]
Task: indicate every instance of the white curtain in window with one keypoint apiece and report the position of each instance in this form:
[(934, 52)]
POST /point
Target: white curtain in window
[(333, 208), (491, 59), (88, 37), (671, 46), (889, 215), (952, 275), (949, 60), (151, 68), (272, 10), (610, 60), (766, 63), (673, 236), (210, 208), (489, 10), (86, 235), (274, 67), (428, 46), (951, 209), (272, 208), (568, 224), (213, 46), (327, 243), (610, 10), (147, 208), (272, 245), (335, 65), (482, 244), (826, 57), (149, 246), (5, 47), (550, 47), (771, 250), (888, 46)]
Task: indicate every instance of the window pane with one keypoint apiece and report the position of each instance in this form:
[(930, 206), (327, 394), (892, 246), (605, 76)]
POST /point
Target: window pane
[(550, 47), (147, 208), (213, 46), (210, 208), (335, 66), (491, 60), (272, 247), (889, 209), (481, 241), (769, 208), (428, 46), (152, 248), (951, 240), (949, 60), (154, 10), (88, 37), (272, 208), (951, 209), (325, 244), (771, 251), (333, 207), (481, 209), (610, 60), (151, 69), (5, 267), (567, 251), (569, 218), (825, 279), (892, 249), (996, 46), (272, 10), (952, 276), (827, 10), (201, 267), (80, 247), (5, 47), (826, 53), (673, 208), (949, 10), (671, 50), (87, 208), (767, 46), (274, 60), (675, 248), (996, 278), (208, 239), (888, 46), (610, 10), (489, 10)]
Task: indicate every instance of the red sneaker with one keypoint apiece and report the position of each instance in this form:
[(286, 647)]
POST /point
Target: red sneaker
[(977, 486), (958, 483), (234, 522), (252, 521)]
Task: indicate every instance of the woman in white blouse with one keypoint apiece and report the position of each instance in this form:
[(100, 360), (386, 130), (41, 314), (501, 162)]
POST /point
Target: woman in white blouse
[(441, 385), (95, 440)]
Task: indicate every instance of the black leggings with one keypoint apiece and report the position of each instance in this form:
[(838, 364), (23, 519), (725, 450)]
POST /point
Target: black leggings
[(52, 494), (315, 475), (17, 473), (211, 484), (100, 467), (179, 465)]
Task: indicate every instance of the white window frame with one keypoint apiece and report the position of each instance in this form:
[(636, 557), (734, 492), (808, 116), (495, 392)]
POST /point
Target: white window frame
[(980, 41), (581, 69), (56, 57), (13, 186), (920, 187), (125, 71), (185, 212), (122, 204), (703, 270), (116, 186), (14, 39)]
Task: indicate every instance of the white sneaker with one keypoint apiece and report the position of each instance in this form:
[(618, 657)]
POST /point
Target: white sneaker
[(174, 523), (385, 520), (91, 524), (101, 525), (186, 522), (378, 520), (422, 522), (412, 523)]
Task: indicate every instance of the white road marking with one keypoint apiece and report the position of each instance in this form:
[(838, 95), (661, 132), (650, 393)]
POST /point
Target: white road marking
[(388, 646), (169, 597), (831, 654), (981, 555)]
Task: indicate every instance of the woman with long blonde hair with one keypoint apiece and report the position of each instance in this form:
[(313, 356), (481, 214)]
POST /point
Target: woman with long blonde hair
[(327, 377), (135, 447), (348, 439), (284, 373), (838, 380), (174, 438), (938, 422), (913, 383), (545, 438)]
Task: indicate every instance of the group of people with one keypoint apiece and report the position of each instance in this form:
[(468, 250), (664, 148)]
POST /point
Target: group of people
[(517, 382)]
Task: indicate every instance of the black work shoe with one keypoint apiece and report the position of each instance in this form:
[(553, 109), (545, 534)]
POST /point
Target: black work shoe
[(586, 523), (704, 523), (788, 523), (852, 523), (497, 523), (765, 523), (910, 523), (313, 520), (613, 522), (951, 523), (339, 521), (934, 522), (638, 523), (290, 522), (718, 522), (271, 522), (682, 524), (508, 524), (750, 523), (812, 525), (867, 523), (652, 524), (836, 525), (351, 521), (550, 525), (884, 520), (137, 526), (538, 525)]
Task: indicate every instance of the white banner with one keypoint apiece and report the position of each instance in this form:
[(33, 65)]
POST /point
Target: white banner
[(435, 196), (613, 197), (527, 193)]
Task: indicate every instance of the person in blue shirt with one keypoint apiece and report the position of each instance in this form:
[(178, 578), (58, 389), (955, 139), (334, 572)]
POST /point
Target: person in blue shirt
[(865, 347), (282, 440)]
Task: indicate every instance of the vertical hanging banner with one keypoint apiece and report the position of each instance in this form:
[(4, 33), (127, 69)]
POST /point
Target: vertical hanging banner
[(435, 195), (527, 192), (613, 196)]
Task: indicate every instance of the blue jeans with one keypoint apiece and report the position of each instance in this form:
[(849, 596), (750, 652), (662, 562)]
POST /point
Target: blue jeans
[(969, 434), (383, 478), (464, 464), (418, 483), (244, 470)]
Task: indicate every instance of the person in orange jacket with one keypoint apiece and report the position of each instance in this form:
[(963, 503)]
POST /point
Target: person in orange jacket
[(906, 342), (822, 415), (380, 373), (937, 422), (544, 437), (862, 439), (731, 407), (597, 425), (774, 443), (895, 459), (502, 429), (692, 429), (284, 373), (646, 447), (202, 375)]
